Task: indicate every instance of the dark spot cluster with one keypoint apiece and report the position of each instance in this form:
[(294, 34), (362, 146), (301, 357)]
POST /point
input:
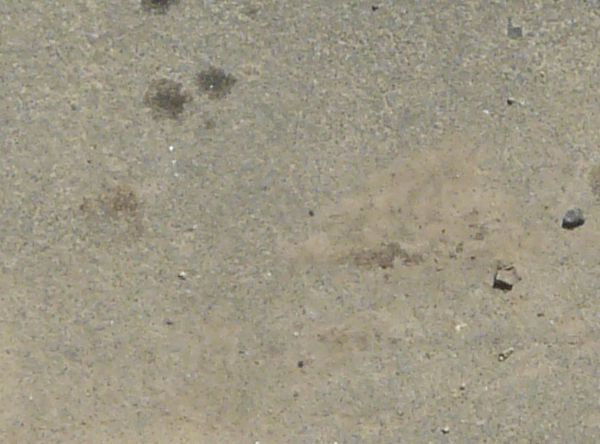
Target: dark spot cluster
[(166, 98), (115, 211), (215, 82), (121, 199)]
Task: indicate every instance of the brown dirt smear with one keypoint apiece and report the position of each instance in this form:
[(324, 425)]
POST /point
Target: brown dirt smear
[(428, 206)]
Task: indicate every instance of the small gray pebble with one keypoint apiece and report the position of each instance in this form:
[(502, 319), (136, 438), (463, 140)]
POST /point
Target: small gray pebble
[(573, 219), (514, 32)]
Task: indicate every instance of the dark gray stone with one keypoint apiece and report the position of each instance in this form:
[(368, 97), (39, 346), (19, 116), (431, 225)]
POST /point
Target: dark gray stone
[(573, 219)]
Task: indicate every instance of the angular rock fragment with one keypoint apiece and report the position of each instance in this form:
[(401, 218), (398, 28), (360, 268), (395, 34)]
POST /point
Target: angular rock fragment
[(505, 277)]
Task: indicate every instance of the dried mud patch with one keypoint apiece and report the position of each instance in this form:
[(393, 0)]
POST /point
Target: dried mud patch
[(431, 208), (384, 256)]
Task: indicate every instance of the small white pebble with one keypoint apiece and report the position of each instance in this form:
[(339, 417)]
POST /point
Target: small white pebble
[(459, 327)]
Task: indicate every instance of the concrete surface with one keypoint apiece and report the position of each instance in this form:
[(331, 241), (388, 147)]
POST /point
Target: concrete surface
[(300, 249)]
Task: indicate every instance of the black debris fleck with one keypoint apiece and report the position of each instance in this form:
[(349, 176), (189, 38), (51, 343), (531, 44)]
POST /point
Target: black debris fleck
[(505, 354)]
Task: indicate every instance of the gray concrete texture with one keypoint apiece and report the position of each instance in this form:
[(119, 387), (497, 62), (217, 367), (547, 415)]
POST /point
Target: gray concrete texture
[(281, 221)]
